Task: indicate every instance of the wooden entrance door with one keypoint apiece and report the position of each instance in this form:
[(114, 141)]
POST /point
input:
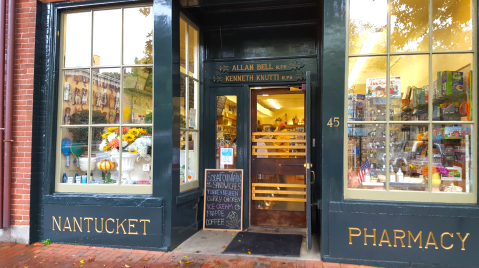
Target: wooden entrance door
[(278, 158)]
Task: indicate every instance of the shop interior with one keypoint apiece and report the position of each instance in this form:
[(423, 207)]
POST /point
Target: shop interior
[(409, 93)]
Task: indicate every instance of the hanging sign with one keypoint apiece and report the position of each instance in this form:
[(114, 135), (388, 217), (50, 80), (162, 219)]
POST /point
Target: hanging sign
[(223, 199), (259, 78), (259, 66), (227, 156)]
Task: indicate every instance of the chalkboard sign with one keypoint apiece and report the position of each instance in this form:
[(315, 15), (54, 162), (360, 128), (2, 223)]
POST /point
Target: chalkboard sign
[(223, 199)]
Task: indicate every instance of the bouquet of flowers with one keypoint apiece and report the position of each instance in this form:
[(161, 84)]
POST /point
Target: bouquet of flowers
[(134, 140)]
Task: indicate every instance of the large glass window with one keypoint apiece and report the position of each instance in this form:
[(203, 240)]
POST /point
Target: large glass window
[(410, 83), (189, 107), (105, 101)]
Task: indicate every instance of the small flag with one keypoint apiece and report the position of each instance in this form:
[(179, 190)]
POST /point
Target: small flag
[(362, 172)]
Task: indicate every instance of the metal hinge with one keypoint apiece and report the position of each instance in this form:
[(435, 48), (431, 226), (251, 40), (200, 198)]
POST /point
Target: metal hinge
[(308, 165)]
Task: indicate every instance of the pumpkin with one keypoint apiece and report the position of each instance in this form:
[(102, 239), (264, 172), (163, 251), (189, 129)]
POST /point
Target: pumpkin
[(106, 165)]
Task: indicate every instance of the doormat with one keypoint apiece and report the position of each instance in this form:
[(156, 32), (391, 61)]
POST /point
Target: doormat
[(285, 245)]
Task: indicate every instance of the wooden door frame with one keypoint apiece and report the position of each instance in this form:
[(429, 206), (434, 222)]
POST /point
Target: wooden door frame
[(281, 89)]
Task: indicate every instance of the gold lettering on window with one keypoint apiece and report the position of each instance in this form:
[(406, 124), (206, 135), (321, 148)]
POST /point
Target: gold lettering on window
[(399, 237), (65, 225), (131, 225), (419, 236), (442, 241), (431, 235), (75, 223), (385, 233), (351, 234), (96, 229), (58, 223), (88, 223), (366, 236), (462, 240), (118, 226)]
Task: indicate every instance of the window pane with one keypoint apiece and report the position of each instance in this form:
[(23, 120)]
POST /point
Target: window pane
[(409, 91), (192, 109), (367, 81), (77, 39), (106, 96), (367, 26), (183, 106), (188, 168), (367, 156), (105, 144), (75, 108), (73, 147), (107, 37), (135, 156), (137, 35), (192, 51), (408, 157), (226, 124), (409, 25), (452, 25), (183, 46), (453, 87), (453, 169), (137, 94)]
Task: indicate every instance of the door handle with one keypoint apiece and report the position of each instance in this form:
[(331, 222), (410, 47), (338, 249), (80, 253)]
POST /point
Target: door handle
[(314, 177)]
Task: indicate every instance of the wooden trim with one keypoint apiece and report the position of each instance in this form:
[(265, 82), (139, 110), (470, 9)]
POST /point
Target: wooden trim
[(278, 133), (280, 154), (279, 185), (279, 147), (276, 140), (290, 199), (278, 192)]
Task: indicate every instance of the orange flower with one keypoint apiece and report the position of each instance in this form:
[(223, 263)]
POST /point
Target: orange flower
[(425, 170)]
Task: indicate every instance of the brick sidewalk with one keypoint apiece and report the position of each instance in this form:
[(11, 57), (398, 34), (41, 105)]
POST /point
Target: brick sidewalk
[(58, 255)]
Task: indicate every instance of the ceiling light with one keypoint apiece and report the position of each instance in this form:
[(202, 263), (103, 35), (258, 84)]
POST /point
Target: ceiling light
[(265, 94), (274, 103), (367, 48)]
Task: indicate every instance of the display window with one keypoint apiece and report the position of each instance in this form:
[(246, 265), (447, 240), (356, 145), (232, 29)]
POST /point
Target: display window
[(189, 105), (410, 101), (105, 101)]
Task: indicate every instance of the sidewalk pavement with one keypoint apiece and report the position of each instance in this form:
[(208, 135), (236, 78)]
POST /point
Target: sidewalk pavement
[(61, 255)]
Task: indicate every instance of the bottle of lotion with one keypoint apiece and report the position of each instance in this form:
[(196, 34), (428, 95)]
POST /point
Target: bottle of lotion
[(400, 176)]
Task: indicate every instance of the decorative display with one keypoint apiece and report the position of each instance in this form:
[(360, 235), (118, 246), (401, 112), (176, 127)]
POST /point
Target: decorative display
[(106, 165)]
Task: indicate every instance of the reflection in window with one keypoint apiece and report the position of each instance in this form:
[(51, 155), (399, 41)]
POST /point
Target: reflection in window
[(105, 126), (433, 84), (189, 105)]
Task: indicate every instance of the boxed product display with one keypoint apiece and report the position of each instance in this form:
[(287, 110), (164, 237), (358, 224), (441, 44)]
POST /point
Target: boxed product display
[(452, 133), (455, 174), (450, 83)]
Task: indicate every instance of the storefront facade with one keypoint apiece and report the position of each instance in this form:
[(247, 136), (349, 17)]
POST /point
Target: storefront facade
[(158, 88)]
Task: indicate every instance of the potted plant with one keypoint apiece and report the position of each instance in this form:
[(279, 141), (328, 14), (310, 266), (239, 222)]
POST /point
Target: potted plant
[(136, 144), (295, 120), (278, 120)]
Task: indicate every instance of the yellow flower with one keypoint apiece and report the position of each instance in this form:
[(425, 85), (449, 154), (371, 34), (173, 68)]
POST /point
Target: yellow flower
[(128, 137), (132, 149), (142, 130), (134, 131), (106, 148), (112, 128), (106, 135)]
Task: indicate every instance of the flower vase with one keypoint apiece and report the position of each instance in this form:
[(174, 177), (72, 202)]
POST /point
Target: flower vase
[(127, 165)]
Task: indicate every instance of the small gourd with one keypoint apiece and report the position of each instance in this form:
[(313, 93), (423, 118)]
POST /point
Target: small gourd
[(106, 165)]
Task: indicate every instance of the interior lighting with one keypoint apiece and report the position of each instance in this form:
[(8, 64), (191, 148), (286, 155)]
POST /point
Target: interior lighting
[(265, 95), (276, 106), (367, 48)]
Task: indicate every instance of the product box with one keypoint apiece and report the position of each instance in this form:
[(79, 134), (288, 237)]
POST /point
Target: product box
[(451, 133), (455, 174), (450, 83)]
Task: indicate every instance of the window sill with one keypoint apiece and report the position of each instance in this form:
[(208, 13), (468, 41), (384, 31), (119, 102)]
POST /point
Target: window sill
[(104, 199)]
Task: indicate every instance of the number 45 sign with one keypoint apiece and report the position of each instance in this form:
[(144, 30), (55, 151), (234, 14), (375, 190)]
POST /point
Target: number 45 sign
[(333, 122)]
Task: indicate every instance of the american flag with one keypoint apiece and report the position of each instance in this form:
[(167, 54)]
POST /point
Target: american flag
[(362, 172)]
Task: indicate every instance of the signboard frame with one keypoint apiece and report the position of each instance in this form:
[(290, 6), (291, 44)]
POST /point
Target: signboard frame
[(206, 196)]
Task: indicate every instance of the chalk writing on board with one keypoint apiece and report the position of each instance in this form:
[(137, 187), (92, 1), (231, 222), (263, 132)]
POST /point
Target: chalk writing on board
[(223, 199), (233, 221)]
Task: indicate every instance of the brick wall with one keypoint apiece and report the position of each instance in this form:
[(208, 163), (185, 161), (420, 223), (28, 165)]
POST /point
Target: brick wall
[(22, 110)]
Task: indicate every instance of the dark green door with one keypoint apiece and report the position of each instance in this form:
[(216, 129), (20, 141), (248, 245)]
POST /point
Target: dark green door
[(308, 157)]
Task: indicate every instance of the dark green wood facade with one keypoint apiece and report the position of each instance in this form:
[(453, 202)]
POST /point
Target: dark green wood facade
[(242, 31)]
